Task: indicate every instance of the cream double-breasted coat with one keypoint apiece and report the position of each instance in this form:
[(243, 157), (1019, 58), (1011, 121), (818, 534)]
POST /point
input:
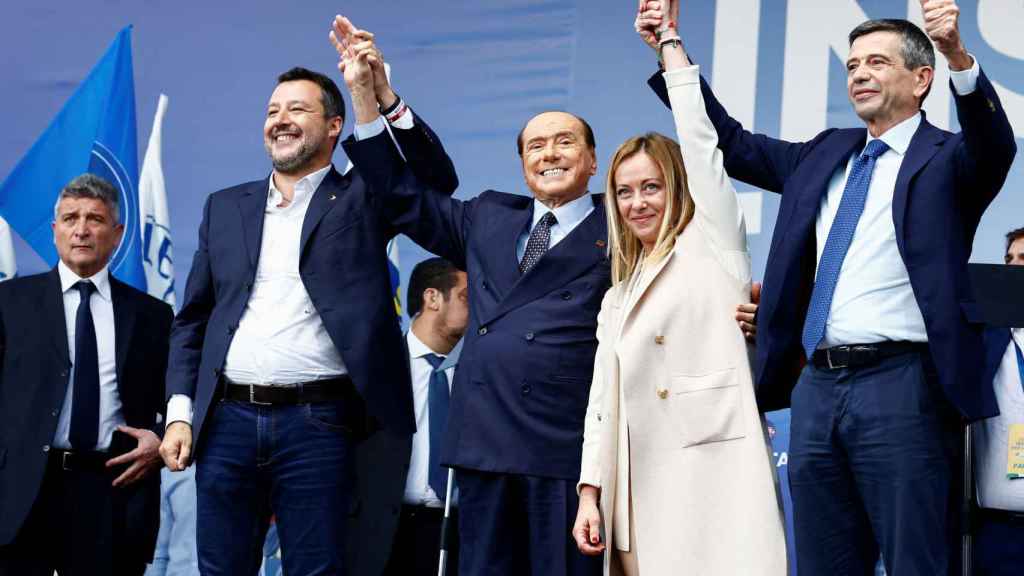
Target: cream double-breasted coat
[(672, 409)]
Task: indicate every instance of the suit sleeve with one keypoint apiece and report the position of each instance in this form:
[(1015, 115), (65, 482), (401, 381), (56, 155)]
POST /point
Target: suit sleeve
[(987, 149), (189, 327), (426, 156), (752, 158), (430, 217)]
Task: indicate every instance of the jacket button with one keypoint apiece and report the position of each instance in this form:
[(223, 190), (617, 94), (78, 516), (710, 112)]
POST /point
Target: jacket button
[(662, 393), (659, 339), (529, 336), (599, 417), (46, 448), (482, 330), (55, 413), (566, 295), (525, 389)]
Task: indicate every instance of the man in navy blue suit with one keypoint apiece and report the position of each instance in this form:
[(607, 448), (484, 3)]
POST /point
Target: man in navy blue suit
[(537, 273), (867, 281), (287, 343), (999, 530)]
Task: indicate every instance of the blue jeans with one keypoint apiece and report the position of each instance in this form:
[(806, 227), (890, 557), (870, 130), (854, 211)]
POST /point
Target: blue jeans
[(873, 467), (290, 461)]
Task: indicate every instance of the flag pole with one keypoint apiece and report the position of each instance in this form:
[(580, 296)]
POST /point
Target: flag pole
[(442, 563)]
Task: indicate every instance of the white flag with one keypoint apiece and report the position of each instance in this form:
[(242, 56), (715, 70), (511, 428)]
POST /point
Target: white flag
[(8, 265), (155, 221)]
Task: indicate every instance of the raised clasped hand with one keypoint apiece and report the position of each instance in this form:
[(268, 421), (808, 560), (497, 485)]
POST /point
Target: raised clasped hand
[(360, 61)]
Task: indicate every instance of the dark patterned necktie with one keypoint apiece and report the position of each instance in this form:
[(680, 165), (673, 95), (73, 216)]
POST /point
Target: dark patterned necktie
[(85, 397), (537, 245)]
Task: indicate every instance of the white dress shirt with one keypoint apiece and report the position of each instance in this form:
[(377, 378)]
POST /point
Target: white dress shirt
[(102, 308), (991, 435), (280, 338), (568, 216), (417, 488), (873, 299)]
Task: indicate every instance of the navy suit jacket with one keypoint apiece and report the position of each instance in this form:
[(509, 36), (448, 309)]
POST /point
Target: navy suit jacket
[(34, 381), (996, 341), (521, 389), (343, 266), (944, 185)]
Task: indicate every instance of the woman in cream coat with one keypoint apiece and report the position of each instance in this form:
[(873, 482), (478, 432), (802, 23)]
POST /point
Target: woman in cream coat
[(676, 464)]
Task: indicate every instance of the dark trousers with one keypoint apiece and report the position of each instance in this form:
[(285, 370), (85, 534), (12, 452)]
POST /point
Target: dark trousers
[(873, 466), (292, 461), (519, 525), (999, 546), (417, 544), (76, 527)]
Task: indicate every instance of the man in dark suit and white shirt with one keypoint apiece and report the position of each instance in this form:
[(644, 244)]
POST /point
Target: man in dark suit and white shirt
[(867, 280), (286, 340), (537, 270), (999, 531), (400, 485), (81, 391)]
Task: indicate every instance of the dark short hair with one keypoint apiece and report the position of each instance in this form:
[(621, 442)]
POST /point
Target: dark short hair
[(330, 96), (1012, 236), (588, 132), (916, 49), (436, 273), (91, 186)]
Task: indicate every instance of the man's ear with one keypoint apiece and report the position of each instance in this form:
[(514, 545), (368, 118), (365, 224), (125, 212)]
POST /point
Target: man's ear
[(923, 76)]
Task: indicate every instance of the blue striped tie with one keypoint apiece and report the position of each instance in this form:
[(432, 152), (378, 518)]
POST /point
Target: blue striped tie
[(838, 243)]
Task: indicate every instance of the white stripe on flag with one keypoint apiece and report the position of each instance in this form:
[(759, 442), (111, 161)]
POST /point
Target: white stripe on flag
[(157, 255)]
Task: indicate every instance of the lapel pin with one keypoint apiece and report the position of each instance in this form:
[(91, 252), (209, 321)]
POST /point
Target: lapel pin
[(332, 197), (599, 243)]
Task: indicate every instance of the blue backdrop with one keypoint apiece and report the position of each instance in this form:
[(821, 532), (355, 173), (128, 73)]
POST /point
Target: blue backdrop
[(476, 71)]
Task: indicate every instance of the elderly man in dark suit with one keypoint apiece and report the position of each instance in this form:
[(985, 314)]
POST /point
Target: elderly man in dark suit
[(537, 270), (81, 392), (287, 342), (867, 280)]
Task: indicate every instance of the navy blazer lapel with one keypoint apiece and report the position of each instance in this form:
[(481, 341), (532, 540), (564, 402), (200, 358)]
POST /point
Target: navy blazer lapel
[(848, 143), (503, 268), (52, 314), (325, 197), (253, 205), (923, 146), (575, 254), (124, 325)]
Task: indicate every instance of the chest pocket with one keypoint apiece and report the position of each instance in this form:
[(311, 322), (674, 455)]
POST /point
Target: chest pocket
[(707, 408)]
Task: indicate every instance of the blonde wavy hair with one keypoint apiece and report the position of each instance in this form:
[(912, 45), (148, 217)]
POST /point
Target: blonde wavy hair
[(624, 249)]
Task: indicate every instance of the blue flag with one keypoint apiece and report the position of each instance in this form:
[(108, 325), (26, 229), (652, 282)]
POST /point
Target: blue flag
[(94, 132)]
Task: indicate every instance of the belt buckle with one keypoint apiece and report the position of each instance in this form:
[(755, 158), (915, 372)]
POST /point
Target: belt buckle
[(252, 397), (64, 458), (832, 365)]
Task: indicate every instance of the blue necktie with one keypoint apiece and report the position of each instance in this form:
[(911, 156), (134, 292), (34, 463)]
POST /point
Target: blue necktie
[(838, 243), (437, 402), (1020, 360), (85, 397)]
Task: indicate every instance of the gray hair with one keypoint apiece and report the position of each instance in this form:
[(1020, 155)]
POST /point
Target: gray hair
[(91, 186), (915, 47)]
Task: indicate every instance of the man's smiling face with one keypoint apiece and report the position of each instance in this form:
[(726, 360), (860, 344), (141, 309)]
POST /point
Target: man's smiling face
[(557, 159)]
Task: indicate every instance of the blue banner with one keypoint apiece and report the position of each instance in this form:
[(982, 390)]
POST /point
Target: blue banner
[(93, 132)]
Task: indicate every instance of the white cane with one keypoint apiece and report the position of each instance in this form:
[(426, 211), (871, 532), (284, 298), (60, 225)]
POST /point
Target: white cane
[(442, 563)]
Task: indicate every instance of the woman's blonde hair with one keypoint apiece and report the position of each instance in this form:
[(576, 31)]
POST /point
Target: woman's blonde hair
[(624, 248)]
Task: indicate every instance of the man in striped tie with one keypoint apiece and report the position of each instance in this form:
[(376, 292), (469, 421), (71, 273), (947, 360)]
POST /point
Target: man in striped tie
[(867, 321)]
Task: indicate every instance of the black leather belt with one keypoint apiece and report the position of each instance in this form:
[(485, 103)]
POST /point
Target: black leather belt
[(425, 512), (856, 355), (79, 461), (1004, 516), (329, 390)]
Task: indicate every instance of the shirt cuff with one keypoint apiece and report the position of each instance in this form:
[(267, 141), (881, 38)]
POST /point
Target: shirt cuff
[(965, 81), (179, 409), (404, 121), (368, 130)]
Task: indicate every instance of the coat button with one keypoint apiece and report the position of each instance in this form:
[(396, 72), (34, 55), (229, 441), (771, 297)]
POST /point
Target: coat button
[(662, 393), (55, 413), (659, 339), (482, 330), (599, 417), (46, 448), (566, 295), (529, 336), (525, 389)]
